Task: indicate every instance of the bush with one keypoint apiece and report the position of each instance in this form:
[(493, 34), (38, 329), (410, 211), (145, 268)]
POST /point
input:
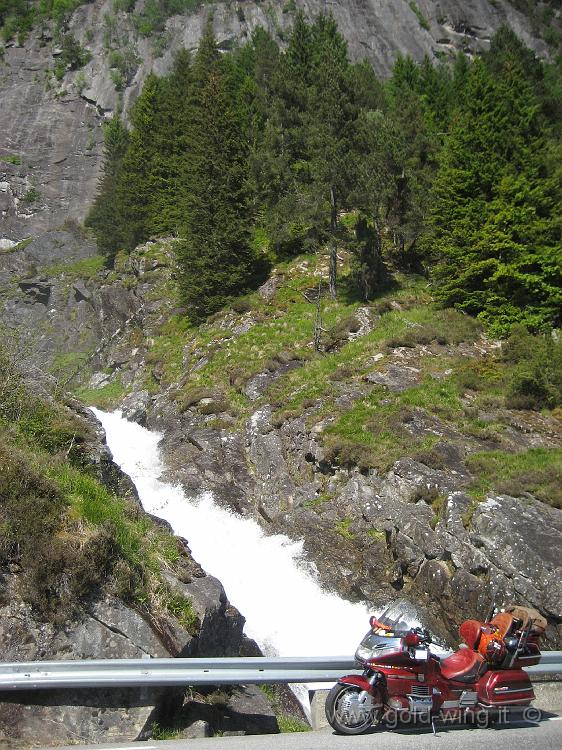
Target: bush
[(38, 536), (536, 378), (72, 57), (348, 454), (124, 66), (339, 334), (241, 305), (32, 195), (537, 471), (448, 327), (31, 506)]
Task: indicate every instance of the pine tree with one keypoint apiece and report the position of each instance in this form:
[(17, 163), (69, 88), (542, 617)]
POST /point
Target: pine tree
[(493, 231), (104, 216), (216, 261), (168, 169), (330, 122), (136, 189)]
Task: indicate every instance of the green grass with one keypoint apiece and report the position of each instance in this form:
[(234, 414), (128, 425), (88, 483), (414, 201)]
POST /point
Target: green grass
[(142, 545), (286, 723), (106, 397), (87, 268), (32, 195), (371, 434), (11, 159), (421, 18), (23, 244), (180, 608), (70, 535), (167, 347), (163, 733), (537, 471), (94, 503), (290, 724), (69, 364), (343, 528)]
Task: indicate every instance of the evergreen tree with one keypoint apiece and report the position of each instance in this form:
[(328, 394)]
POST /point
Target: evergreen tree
[(104, 216), (136, 189), (329, 121), (493, 230), (216, 261), (168, 178)]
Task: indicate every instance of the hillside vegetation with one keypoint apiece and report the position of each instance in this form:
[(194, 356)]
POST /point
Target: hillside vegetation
[(404, 224), (374, 382), (69, 537), (255, 156)]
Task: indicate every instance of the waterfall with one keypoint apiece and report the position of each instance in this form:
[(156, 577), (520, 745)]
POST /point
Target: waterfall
[(266, 577)]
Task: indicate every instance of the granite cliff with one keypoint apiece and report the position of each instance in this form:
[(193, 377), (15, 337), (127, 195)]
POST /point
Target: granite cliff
[(393, 454), (51, 115), (422, 517)]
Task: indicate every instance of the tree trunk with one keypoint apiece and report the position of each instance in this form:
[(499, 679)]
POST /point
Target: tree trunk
[(318, 321), (334, 247)]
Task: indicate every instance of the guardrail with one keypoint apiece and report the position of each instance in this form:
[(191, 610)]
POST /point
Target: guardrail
[(97, 673)]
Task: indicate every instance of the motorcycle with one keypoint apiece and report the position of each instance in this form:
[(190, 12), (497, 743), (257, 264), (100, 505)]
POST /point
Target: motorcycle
[(404, 680)]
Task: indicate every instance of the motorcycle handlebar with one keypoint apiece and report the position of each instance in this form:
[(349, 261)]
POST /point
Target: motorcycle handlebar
[(424, 634)]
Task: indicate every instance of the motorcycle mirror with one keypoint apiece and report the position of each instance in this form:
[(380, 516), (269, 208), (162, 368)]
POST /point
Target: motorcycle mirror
[(412, 639)]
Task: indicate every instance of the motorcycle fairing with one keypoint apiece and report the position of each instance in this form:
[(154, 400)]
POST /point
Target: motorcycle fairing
[(357, 680)]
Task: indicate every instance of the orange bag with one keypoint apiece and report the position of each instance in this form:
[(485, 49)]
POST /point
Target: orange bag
[(491, 644)]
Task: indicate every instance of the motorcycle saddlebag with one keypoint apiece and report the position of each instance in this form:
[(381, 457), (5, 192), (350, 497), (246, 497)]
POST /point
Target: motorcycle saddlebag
[(505, 687)]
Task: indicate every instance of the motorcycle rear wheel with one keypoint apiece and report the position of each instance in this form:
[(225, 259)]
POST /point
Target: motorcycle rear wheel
[(346, 714)]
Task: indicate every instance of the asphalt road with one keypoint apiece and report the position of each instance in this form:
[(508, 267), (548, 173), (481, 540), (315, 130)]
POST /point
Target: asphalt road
[(545, 734)]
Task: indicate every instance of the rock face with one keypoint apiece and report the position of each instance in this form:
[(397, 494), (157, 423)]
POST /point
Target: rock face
[(47, 294), (372, 536), (107, 628), (411, 532), (50, 156)]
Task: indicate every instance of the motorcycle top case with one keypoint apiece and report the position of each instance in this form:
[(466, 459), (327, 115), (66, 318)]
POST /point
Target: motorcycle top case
[(505, 687), (530, 655)]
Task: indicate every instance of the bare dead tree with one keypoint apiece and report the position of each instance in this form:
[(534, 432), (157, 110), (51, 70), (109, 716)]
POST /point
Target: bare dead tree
[(333, 246)]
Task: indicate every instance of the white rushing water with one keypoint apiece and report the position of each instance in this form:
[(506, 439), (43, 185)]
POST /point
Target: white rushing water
[(286, 610)]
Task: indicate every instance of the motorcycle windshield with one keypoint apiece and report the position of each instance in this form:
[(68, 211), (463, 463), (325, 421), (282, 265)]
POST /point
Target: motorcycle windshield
[(396, 620)]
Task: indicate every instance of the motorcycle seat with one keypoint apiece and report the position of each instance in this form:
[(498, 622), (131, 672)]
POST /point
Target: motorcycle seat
[(465, 665)]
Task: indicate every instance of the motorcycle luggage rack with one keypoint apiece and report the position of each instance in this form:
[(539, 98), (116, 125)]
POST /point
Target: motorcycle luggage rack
[(523, 638)]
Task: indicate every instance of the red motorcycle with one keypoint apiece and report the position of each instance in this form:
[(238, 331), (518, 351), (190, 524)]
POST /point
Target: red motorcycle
[(404, 681)]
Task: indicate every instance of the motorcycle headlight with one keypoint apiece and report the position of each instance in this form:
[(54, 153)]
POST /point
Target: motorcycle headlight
[(363, 654)]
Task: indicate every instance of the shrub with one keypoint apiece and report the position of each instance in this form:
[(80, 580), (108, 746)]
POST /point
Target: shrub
[(448, 327), (30, 506), (73, 56), (124, 65), (339, 334), (537, 471), (346, 453), (536, 361), (419, 15), (241, 305), (32, 195)]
